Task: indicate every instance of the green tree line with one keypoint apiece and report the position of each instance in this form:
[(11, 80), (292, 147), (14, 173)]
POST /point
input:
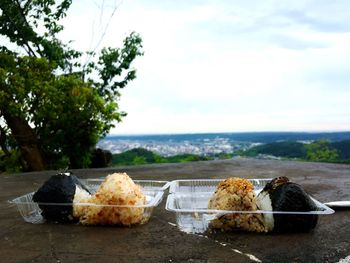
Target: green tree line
[(142, 156), (317, 151)]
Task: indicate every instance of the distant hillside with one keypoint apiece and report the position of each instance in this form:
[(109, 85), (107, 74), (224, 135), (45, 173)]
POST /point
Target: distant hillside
[(321, 150), (343, 148), (142, 156), (318, 151), (288, 149)]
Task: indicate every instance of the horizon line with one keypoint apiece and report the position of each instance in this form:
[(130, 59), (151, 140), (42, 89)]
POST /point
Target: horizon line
[(227, 132)]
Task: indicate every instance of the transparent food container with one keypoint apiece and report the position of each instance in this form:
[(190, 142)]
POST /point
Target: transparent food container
[(189, 200), (153, 190)]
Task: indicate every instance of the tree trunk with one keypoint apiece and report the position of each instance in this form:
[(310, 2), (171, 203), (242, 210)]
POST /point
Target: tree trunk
[(26, 140), (3, 142)]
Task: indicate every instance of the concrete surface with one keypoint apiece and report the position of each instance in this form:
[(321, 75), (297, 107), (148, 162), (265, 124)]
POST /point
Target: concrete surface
[(161, 241)]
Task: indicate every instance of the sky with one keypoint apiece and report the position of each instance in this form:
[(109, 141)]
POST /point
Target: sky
[(226, 66)]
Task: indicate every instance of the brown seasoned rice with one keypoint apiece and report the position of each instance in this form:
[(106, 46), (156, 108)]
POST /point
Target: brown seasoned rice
[(236, 194)]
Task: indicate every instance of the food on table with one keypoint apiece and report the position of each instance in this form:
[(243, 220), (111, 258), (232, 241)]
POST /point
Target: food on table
[(282, 195), (62, 188), (116, 191), (117, 201), (236, 194), (279, 195)]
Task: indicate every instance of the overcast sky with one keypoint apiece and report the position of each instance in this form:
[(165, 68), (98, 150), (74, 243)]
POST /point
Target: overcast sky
[(227, 66)]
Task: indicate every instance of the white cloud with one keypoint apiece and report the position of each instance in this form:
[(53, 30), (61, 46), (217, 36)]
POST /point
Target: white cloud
[(228, 66)]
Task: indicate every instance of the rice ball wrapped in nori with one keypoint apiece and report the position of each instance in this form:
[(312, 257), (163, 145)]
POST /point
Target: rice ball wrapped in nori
[(116, 202), (282, 195), (61, 188), (236, 194)]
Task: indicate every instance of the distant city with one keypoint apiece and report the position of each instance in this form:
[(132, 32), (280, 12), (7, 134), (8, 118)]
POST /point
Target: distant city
[(210, 143), (169, 148)]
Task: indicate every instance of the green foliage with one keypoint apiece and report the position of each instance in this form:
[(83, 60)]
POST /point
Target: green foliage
[(343, 149), (184, 158), (321, 151), (142, 156), (317, 151), (252, 152), (20, 20), (69, 105), (136, 156), (139, 160), (224, 156), (10, 163), (287, 149)]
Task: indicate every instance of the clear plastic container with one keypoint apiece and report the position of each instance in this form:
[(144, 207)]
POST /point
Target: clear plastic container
[(189, 200), (207, 185), (153, 190)]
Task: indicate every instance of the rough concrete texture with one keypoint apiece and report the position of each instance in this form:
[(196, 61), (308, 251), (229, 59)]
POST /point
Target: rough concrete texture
[(160, 241)]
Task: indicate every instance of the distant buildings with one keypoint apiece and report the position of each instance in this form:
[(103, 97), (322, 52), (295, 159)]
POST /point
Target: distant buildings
[(204, 147)]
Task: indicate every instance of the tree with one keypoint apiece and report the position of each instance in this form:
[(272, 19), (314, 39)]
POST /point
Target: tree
[(321, 151), (54, 107)]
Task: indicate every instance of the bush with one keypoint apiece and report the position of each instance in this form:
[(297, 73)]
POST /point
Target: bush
[(11, 163)]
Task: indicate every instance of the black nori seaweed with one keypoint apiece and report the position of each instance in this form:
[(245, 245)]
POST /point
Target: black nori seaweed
[(288, 196), (60, 188)]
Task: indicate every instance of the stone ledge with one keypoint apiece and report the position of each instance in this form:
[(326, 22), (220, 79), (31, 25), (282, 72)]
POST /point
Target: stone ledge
[(160, 241)]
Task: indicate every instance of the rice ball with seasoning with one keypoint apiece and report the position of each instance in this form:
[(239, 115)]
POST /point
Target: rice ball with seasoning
[(117, 190), (236, 194)]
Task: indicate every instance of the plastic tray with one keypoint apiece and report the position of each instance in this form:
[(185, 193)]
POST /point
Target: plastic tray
[(189, 200), (154, 191), (207, 185)]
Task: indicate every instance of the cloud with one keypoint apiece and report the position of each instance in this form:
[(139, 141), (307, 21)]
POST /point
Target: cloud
[(320, 20), (228, 66), (289, 42)]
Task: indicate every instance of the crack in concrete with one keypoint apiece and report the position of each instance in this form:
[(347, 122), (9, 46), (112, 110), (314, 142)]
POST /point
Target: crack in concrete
[(52, 248)]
